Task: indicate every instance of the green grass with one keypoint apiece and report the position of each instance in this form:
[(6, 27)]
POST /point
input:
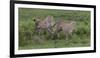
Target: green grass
[(28, 39)]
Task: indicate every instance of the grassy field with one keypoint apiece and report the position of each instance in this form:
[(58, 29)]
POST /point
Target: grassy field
[(28, 38)]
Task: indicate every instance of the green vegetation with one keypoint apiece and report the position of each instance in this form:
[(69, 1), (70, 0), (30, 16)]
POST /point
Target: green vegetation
[(28, 39)]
